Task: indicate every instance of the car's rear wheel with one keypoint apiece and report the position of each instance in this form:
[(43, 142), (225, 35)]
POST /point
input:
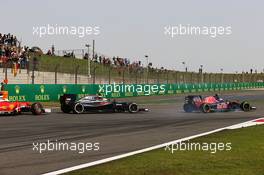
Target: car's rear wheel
[(245, 106), (205, 108), (188, 108), (36, 108), (78, 108), (133, 108)]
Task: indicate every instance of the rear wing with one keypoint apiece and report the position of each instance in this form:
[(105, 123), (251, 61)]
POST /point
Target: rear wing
[(190, 98)]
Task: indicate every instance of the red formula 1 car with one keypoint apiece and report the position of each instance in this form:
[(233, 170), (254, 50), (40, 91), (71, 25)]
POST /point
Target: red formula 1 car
[(14, 108), (195, 103)]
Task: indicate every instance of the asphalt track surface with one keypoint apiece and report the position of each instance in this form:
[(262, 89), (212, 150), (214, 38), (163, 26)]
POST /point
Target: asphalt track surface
[(117, 133)]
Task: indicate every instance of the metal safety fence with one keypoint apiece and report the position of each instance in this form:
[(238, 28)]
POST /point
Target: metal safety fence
[(46, 69), (63, 70)]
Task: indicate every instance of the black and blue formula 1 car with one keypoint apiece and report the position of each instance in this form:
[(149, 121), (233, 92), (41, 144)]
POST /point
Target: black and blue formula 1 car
[(95, 103), (195, 103)]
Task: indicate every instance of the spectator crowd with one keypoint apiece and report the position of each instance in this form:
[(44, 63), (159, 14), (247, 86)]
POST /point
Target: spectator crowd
[(11, 54), (8, 39), (14, 56), (117, 62)]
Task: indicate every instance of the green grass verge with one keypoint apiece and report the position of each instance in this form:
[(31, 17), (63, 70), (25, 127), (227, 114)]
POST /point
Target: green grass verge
[(246, 157), (68, 65)]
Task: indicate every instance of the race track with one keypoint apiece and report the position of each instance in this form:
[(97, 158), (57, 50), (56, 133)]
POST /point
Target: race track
[(117, 133)]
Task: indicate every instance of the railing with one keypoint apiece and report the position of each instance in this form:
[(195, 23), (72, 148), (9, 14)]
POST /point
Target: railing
[(55, 69), (136, 74)]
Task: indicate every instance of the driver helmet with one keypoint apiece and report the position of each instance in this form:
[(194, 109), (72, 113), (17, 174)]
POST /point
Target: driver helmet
[(216, 96)]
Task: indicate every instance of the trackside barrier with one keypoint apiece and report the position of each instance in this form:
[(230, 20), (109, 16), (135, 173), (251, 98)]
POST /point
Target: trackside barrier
[(52, 92)]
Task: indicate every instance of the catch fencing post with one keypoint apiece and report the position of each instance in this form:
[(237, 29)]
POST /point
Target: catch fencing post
[(33, 70), (56, 72), (27, 63), (147, 76), (136, 76), (94, 72), (93, 48), (123, 75), (76, 74), (167, 77), (109, 75), (88, 62), (5, 70)]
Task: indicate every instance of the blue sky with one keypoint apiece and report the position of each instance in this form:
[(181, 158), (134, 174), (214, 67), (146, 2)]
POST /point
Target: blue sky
[(135, 28)]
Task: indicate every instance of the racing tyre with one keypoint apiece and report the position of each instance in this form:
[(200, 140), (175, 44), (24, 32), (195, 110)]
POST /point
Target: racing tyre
[(245, 106), (36, 108), (133, 108), (187, 108), (205, 108), (78, 108)]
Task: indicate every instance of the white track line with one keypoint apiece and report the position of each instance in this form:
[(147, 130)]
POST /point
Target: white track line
[(240, 125)]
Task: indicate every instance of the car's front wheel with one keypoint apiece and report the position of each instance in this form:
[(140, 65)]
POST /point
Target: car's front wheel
[(245, 106), (133, 108)]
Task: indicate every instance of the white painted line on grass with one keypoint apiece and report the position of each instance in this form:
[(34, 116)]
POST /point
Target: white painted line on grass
[(86, 165)]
